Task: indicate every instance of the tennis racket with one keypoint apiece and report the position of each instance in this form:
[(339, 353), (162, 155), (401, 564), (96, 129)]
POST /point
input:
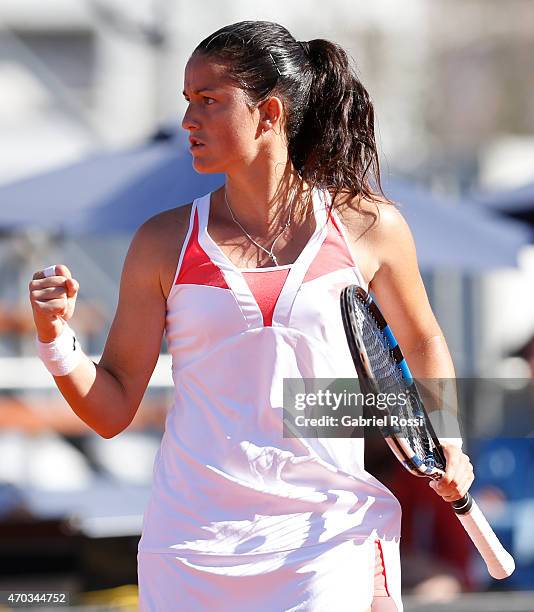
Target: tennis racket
[(381, 368)]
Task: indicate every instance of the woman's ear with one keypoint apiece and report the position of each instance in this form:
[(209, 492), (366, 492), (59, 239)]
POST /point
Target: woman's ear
[(271, 111)]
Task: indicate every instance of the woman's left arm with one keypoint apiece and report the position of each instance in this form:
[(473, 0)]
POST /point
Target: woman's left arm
[(400, 293)]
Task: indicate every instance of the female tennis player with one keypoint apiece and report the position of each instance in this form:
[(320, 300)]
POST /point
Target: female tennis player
[(245, 282)]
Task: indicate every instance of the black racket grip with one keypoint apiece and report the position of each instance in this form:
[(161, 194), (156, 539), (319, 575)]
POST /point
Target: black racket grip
[(463, 505)]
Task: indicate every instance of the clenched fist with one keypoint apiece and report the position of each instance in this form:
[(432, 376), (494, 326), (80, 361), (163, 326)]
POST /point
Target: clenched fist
[(53, 299)]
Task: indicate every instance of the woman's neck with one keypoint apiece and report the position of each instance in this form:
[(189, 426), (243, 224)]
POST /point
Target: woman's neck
[(262, 203)]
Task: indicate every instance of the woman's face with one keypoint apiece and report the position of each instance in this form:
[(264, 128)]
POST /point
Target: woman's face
[(218, 116)]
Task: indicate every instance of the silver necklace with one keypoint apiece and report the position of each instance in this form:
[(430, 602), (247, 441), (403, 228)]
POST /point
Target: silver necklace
[(269, 252)]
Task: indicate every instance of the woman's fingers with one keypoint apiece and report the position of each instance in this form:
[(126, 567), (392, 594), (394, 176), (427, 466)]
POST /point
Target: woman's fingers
[(53, 271), (56, 308), (458, 475), (72, 287), (50, 293), (62, 270)]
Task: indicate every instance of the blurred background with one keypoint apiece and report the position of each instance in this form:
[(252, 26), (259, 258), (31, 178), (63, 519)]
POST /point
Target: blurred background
[(91, 146)]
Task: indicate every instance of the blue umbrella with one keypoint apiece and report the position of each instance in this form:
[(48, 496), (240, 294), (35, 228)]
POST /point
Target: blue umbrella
[(116, 191), (517, 203), (107, 193), (452, 234)]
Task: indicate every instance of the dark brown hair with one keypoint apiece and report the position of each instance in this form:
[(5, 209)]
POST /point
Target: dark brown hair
[(329, 115)]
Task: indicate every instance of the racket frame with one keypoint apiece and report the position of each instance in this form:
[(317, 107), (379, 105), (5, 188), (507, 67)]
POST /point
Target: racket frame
[(499, 562), (399, 445)]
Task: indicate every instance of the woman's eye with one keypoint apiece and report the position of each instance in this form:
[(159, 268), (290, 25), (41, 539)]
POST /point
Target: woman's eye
[(208, 101)]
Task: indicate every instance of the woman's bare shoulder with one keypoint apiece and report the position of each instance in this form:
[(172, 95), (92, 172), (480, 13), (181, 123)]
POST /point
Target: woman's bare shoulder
[(373, 218), (166, 221), (159, 241), (376, 231)]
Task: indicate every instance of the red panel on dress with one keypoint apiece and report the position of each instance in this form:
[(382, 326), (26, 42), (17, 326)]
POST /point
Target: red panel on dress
[(197, 268), (266, 288), (332, 256)]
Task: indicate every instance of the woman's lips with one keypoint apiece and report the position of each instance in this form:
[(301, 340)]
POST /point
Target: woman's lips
[(196, 147), (195, 143)]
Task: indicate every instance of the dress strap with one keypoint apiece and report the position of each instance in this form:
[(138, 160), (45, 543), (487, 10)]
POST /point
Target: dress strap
[(203, 206), (186, 241)]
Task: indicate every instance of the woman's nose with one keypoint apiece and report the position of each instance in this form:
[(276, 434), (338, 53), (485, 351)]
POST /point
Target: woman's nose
[(189, 122)]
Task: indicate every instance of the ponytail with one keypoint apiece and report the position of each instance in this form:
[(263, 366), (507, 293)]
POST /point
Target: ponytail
[(335, 145)]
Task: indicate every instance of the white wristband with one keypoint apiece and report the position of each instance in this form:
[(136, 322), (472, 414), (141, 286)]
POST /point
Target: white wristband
[(62, 355), (444, 422)]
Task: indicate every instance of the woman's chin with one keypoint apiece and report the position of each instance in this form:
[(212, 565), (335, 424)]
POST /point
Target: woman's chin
[(202, 166)]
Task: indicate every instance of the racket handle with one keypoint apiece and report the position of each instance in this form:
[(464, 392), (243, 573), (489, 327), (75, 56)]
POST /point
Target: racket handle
[(500, 563)]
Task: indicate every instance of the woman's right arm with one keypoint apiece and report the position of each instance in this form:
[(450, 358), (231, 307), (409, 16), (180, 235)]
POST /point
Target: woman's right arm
[(107, 395)]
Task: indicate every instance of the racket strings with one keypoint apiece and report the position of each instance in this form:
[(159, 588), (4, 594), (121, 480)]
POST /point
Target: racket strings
[(378, 352), (389, 379)]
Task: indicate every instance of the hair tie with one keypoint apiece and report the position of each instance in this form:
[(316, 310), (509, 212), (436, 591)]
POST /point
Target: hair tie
[(305, 47)]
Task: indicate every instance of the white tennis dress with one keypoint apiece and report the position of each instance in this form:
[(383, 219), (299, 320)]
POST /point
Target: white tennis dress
[(242, 519)]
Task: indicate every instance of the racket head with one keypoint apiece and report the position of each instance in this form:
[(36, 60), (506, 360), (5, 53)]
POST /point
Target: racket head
[(381, 368)]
